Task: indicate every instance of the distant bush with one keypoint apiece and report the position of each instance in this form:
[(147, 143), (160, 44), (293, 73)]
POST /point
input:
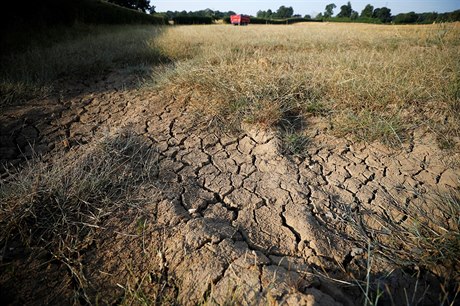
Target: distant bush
[(406, 18), (358, 20), (256, 20), (368, 20), (192, 20)]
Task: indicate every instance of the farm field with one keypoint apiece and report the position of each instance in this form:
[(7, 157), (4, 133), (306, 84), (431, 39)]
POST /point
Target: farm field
[(306, 164)]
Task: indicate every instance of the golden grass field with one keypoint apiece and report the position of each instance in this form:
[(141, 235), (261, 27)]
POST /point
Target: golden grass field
[(375, 82)]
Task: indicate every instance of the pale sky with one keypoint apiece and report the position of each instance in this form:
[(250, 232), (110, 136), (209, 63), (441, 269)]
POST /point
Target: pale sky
[(302, 7)]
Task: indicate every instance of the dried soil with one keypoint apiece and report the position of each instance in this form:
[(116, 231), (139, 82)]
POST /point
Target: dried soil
[(229, 217)]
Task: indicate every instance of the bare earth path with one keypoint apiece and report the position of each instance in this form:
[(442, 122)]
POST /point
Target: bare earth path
[(230, 217)]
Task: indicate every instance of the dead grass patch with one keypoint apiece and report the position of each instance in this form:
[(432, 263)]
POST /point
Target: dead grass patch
[(60, 207), (373, 81), (421, 238)]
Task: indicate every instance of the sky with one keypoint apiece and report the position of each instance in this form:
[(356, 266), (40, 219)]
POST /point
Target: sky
[(302, 7)]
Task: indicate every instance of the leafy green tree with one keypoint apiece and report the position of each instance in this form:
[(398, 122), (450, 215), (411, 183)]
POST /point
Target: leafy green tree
[(319, 16), (383, 13), (367, 11), (265, 14), (307, 16), (141, 5), (284, 12), (354, 15), (345, 10), (329, 10)]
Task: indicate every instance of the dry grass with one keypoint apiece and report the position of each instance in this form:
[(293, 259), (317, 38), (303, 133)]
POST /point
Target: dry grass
[(59, 208), (83, 52), (374, 82), (420, 237)]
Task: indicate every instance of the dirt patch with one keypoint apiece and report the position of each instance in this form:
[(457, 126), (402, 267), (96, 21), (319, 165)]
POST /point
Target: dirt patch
[(227, 218)]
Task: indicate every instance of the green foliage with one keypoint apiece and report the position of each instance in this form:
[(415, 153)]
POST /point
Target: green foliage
[(354, 15), (256, 20), (50, 13), (367, 11), (294, 143), (357, 20), (345, 10), (329, 10), (142, 5), (410, 17), (192, 20), (317, 108), (265, 14), (426, 18), (370, 126), (368, 20), (162, 16), (215, 15), (284, 12), (99, 12), (383, 13)]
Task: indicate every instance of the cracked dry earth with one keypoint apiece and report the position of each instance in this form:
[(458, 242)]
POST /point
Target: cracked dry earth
[(229, 217)]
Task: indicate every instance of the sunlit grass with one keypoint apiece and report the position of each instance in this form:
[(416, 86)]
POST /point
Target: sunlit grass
[(374, 82)]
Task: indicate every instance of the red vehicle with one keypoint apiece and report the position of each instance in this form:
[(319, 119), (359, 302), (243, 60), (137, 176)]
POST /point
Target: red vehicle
[(239, 19)]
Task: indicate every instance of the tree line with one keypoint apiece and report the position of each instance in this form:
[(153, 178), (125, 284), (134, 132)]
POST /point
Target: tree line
[(369, 14), (282, 12), (215, 15), (383, 15)]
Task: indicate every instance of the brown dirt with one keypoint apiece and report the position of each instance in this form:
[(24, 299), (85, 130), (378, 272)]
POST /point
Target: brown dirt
[(229, 219)]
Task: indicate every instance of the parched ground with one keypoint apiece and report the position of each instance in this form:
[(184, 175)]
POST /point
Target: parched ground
[(228, 218)]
